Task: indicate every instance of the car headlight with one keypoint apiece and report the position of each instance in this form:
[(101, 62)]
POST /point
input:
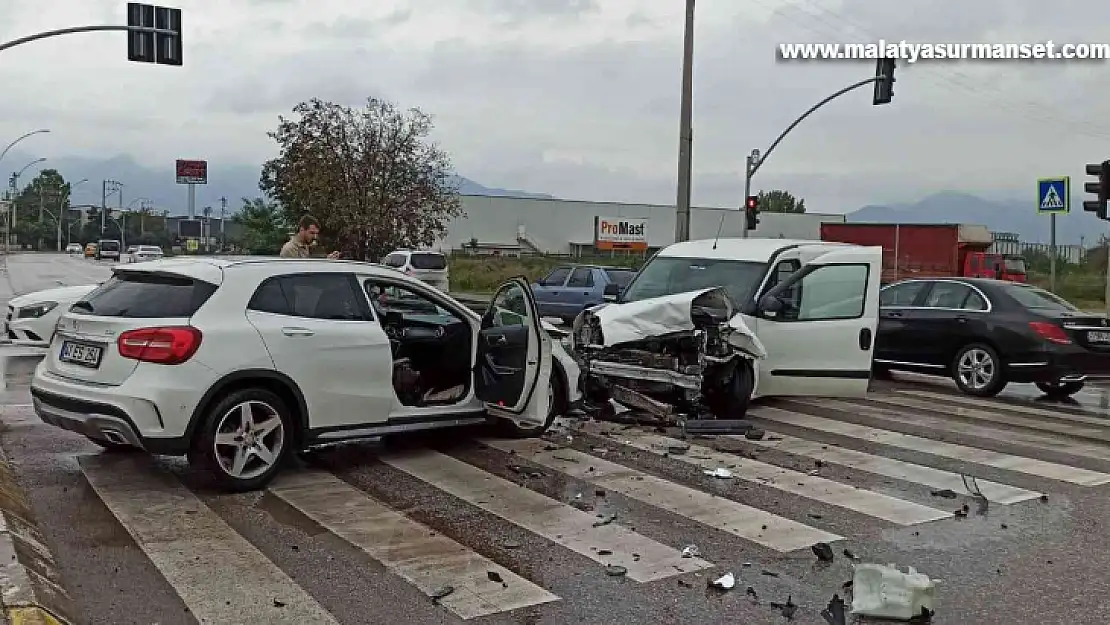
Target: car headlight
[(37, 310)]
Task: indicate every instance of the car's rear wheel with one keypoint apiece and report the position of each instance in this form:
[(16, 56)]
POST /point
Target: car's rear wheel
[(245, 439), (1060, 389), (977, 370)]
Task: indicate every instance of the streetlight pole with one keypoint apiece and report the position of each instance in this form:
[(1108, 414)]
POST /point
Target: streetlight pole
[(14, 182), (685, 131), (62, 210), (12, 144)]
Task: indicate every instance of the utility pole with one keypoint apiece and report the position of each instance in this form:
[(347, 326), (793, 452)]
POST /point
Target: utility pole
[(108, 187), (685, 131), (42, 209), (223, 217)]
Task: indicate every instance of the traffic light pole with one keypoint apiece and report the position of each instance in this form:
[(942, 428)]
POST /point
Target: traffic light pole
[(755, 161), (82, 29)]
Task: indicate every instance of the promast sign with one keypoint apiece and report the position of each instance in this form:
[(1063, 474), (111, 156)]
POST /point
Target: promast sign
[(620, 233)]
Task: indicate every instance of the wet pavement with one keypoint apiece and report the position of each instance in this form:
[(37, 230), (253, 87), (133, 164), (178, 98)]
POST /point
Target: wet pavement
[(589, 525)]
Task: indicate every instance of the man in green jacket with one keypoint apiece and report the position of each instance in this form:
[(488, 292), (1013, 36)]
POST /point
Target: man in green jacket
[(300, 244)]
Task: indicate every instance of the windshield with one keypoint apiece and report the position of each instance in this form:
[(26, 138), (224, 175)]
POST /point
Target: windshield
[(428, 261), (109, 246), (1015, 264), (1033, 297), (665, 275), (620, 277)]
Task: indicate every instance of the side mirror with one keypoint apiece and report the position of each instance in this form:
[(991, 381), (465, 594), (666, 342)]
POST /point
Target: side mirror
[(612, 292), (771, 305)]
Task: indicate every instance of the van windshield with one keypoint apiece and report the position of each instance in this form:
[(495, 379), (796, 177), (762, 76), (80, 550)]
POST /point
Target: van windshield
[(665, 275), (109, 246)]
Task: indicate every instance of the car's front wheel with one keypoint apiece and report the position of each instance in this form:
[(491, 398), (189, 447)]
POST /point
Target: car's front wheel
[(244, 440), (1060, 389), (977, 370), (730, 399)]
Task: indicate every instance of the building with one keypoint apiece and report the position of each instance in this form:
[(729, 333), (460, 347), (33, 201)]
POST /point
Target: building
[(1010, 244), (513, 226)]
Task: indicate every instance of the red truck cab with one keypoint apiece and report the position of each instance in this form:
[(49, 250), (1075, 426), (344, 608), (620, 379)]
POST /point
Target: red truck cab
[(931, 250)]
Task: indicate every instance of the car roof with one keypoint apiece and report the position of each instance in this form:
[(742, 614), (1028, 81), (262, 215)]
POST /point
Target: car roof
[(753, 250), (988, 283), (211, 268)]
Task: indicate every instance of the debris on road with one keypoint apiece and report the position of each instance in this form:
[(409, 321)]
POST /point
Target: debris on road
[(278, 604), (786, 609), (511, 544), (496, 578), (885, 592), (750, 592), (690, 551), (834, 614), (755, 434), (724, 582), (946, 493), (717, 426), (719, 472), (441, 592), (823, 552), (526, 471), (615, 571), (850, 555), (962, 512), (606, 520), (768, 573)]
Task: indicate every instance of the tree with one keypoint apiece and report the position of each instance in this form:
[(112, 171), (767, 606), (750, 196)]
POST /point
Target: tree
[(264, 226), (371, 176), (778, 201), (49, 192)]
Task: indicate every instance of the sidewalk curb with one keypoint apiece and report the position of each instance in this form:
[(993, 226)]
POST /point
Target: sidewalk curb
[(31, 588)]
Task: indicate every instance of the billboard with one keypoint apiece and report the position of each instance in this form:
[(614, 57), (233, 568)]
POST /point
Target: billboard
[(188, 228), (620, 233), (192, 172)]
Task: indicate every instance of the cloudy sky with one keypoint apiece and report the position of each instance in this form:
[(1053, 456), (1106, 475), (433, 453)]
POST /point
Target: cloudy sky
[(579, 98)]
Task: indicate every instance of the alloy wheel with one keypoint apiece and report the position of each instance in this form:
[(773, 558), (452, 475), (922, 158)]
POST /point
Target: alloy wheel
[(976, 369), (249, 439)]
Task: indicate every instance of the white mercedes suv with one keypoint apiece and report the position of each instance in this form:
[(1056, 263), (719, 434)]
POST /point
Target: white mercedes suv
[(238, 363)]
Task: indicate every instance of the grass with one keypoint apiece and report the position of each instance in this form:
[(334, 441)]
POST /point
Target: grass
[(483, 274)]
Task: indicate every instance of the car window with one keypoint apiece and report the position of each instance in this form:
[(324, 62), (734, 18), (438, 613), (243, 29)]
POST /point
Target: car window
[(427, 260), (385, 297), (582, 277), (667, 275), (557, 276), (314, 296), (1036, 298), (139, 295), (904, 294), (827, 293), (620, 277), (394, 260), (508, 308), (974, 301), (947, 295)]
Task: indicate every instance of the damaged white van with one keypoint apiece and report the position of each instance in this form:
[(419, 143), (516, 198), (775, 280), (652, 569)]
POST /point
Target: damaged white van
[(706, 326)]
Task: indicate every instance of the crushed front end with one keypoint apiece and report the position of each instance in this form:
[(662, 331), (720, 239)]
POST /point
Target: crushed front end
[(678, 356)]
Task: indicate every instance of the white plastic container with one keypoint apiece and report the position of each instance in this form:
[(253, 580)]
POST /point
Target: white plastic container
[(885, 592)]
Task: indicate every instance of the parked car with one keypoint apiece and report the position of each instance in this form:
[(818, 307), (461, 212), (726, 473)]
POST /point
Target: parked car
[(73, 248), (570, 289), (424, 265), (31, 317), (668, 340), (108, 249), (142, 253), (986, 333), (90, 250), (238, 363)]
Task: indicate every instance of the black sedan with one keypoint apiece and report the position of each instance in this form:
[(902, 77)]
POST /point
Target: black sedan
[(987, 333)]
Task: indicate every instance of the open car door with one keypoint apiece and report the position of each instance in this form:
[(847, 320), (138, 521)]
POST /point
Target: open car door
[(512, 368), (818, 326)]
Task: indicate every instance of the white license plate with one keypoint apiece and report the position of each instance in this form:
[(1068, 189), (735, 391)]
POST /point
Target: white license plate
[(80, 354), (1098, 337)]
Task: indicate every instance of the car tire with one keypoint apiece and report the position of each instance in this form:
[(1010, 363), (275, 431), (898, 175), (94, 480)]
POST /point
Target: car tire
[(978, 371), (113, 447), (557, 406), (731, 400), (1060, 389), (262, 406)]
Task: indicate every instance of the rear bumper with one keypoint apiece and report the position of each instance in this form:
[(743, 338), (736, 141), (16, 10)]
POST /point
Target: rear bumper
[(1064, 362)]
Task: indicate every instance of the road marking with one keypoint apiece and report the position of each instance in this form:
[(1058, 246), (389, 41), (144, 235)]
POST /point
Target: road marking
[(758, 526), (997, 405), (812, 487), (986, 457), (1002, 494), (425, 558), (1048, 443), (220, 576), (645, 559)]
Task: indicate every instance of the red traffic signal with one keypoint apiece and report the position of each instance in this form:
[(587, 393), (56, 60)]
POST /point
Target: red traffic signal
[(753, 202)]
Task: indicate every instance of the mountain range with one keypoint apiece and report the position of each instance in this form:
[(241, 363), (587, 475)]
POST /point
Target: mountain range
[(156, 183)]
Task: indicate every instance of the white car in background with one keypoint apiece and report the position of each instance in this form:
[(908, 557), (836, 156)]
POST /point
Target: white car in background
[(239, 363), (142, 253), (74, 248), (31, 318), (425, 265)]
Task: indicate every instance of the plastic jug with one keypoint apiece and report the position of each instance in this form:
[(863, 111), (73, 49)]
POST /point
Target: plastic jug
[(885, 592)]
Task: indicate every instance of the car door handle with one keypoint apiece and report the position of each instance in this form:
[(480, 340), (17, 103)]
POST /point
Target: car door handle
[(297, 332), (961, 319), (893, 313)]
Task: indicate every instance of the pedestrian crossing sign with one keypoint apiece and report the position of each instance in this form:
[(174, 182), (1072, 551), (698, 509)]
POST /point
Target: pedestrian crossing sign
[(1054, 195)]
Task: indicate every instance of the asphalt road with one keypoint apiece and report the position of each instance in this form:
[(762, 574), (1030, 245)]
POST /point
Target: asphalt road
[(366, 533)]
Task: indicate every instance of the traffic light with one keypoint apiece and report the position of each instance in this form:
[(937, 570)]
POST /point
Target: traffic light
[(884, 85), (146, 46), (1100, 189), (751, 211)]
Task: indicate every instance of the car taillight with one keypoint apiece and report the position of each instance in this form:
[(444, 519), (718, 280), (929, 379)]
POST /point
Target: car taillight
[(163, 346), (1050, 332)]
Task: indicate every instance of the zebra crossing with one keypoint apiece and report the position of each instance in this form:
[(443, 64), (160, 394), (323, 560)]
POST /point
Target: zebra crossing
[(222, 577)]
